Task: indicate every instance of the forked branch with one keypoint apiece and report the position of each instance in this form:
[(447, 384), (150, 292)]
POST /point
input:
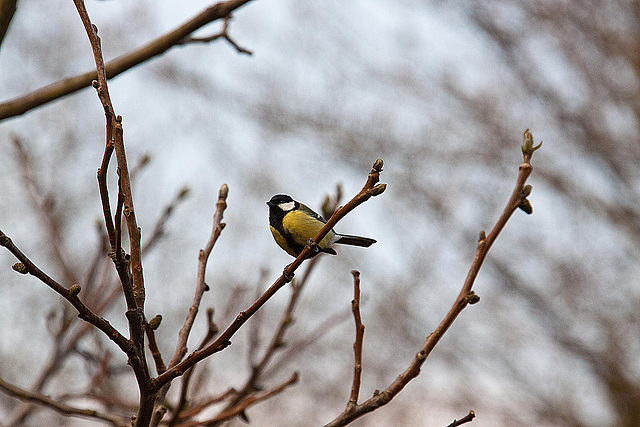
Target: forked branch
[(518, 200), (371, 188)]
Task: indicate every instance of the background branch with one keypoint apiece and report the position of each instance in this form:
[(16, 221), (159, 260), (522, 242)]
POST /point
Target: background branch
[(21, 105), (57, 406)]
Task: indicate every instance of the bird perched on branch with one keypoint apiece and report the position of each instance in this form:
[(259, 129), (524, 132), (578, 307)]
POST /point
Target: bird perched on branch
[(294, 224)]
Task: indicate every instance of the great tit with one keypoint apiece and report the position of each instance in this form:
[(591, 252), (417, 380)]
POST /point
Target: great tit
[(294, 224)]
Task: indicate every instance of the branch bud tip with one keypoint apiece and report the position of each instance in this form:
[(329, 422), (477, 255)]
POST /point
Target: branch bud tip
[(528, 146), (75, 289), (224, 191), (155, 322)]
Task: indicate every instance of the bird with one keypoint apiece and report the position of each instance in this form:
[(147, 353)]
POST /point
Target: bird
[(293, 225)]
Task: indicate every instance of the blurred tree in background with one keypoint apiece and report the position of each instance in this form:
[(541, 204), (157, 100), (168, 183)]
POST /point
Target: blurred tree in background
[(440, 91)]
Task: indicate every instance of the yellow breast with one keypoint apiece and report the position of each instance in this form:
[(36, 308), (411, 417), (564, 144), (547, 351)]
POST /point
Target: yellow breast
[(303, 227)]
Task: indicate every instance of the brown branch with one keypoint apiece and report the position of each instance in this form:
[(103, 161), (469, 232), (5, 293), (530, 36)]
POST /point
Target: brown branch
[(245, 404), (357, 345), (224, 34), (201, 287), (7, 10), (153, 346), (368, 190), (465, 297), (135, 305), (466, 419), (158, 229), (70, 295), (45, 208), (46, 94), (191, 412), (276, 343), (62, 408), (212, 330)]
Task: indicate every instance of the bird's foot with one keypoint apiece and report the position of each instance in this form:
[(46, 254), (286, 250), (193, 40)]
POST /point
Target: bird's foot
[(313, 246), (288, 277)]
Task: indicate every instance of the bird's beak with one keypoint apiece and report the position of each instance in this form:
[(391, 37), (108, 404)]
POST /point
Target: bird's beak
[(270, 203)]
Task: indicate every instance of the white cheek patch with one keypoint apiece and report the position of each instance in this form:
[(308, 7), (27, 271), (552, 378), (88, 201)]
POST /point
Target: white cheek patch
[(287, 206)]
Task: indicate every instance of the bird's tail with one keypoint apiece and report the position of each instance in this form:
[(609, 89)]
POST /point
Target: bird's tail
[(346, 239)]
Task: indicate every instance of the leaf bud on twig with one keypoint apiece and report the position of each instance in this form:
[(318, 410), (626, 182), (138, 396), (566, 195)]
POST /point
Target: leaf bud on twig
[(75, 289), (527, 147), (473, 298), (525, 205), (224, 191), (155, 322), (20, 268), (378, 189)]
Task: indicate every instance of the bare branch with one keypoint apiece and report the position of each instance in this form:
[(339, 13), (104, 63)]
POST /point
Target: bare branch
[(69, 294), (46, 94), (62, 408), (224, 34), (368, 190), (201, 286), (135, 302), (466, 419), (158, 230), (357, 345), (465, 297), (245, 404), (212, 330), (44, 207)]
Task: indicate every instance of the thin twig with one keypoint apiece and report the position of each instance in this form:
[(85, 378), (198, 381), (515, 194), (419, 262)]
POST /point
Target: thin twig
[(357, 345), (212, 330), (201, 287), (45, 209), (224, 34), (465, 297), (368, 190), (276, 343), (62, 408), (466, 419), (153, 347), (245, 404), (135, 305), (83, 311), (158, 229)]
